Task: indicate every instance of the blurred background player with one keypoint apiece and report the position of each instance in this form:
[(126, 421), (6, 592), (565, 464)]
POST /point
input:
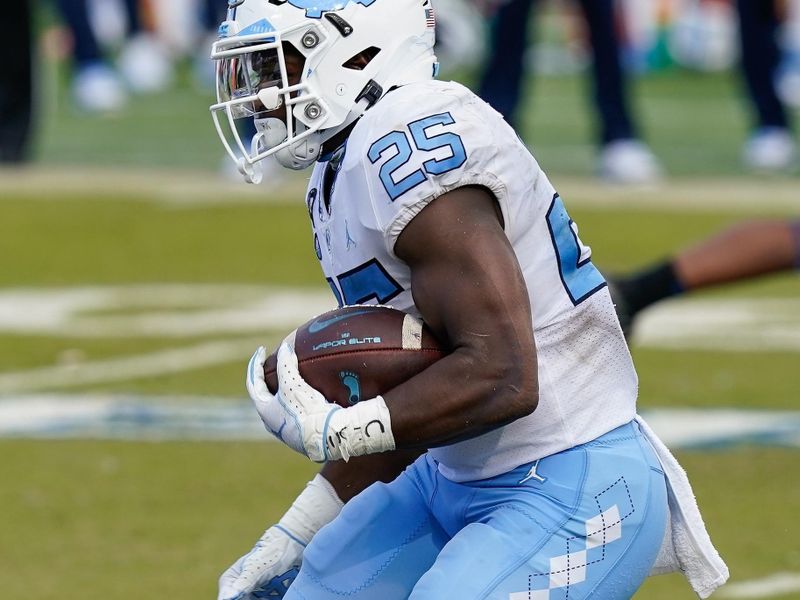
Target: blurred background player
[(761, 38), (745, 251), (141, 67), (771, 146), (16, 101), (98, 85), (623, 157)]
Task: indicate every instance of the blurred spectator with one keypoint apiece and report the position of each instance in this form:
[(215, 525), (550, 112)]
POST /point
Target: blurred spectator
[(96, 87), (143, 63), (212, 13), (15, 83), (623, 157), (745, 251), (771, 146)]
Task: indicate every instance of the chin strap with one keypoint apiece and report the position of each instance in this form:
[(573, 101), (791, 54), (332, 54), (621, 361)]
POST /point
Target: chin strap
[(272, 132)]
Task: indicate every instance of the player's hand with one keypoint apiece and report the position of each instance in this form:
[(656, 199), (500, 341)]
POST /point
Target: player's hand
[(264, 572), (265, 402), (297, 414)]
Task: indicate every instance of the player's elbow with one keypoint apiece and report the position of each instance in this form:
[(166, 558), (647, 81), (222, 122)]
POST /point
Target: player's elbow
[(522, 390), (515, 391)]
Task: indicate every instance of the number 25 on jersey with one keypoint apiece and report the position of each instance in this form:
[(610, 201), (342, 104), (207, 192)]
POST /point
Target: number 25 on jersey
[(403, 151)]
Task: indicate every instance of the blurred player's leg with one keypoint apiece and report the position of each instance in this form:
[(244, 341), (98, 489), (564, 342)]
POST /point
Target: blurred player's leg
[(212, 13), (623, 157), (742, 252), (144, 61), (377, 548), (771, 146), (501, 81), (745, 251), (608, 79), (584, 523), (15, 83), (95, 85)]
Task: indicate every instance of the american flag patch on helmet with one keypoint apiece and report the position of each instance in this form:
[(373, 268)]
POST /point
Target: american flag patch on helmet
[(430, 18)]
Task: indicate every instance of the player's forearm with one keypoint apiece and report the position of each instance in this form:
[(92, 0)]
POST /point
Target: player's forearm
[(316, 506), (353, 477), (465, 394)]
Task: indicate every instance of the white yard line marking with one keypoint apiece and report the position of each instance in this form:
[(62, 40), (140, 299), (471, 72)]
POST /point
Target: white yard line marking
[(171, 310), (746, 195), (174, 310), (174, 360), (778, 584), (187, 311), (53, 416), (732, 324), (685, 194), (706, 428), (114, 416), (129, 184)]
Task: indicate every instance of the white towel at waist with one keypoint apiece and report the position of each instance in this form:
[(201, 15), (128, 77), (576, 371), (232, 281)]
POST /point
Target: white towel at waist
[(687, 546)]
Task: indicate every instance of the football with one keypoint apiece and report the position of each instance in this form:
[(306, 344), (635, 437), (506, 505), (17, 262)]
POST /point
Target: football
[(358, 352)]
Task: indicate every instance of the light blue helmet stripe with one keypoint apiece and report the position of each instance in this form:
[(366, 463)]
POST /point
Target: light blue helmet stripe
[(262, 26), (315, 8)]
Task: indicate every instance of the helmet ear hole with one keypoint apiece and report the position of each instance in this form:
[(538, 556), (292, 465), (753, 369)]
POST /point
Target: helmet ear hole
[(289, 49), (360, 61)]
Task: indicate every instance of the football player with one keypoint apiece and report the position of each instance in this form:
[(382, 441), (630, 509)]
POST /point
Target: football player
[(534, 478)]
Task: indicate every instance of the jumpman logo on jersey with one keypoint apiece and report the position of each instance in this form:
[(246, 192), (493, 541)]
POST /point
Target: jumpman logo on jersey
[(351, 243), (532, 474)]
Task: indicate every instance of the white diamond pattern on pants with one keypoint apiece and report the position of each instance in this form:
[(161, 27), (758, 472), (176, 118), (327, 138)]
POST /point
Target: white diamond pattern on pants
[(570, 569), (604, 528)]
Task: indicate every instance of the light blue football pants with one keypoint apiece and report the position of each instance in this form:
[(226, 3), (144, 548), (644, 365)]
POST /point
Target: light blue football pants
[(585, 523)]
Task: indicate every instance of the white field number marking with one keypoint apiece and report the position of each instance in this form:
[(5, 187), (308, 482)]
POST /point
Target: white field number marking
[(242, 313), (778, 584)]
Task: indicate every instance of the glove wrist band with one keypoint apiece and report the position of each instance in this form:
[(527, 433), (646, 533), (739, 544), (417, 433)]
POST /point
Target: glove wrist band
[(316, 506), (365, 428)]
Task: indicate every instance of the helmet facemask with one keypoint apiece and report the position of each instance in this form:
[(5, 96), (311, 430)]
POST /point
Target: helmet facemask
[(260, 83)]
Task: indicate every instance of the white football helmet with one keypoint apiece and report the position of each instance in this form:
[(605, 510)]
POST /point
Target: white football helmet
[(393, 38)]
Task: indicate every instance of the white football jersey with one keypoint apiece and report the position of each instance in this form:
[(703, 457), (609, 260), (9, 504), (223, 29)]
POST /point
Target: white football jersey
[(417, 143)]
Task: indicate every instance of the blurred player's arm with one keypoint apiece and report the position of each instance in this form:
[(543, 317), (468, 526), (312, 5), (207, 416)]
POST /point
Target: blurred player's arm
[(273, 563)]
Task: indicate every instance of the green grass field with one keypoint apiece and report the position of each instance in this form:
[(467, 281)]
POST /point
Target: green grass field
[(97, 519)]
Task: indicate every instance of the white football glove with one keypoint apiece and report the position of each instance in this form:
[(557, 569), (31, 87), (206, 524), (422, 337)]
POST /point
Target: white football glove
[(269, 568), (297, 414), (266, 571), (302, 419)]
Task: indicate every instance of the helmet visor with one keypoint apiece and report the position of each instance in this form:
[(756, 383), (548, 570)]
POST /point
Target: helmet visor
[(242, 76)]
